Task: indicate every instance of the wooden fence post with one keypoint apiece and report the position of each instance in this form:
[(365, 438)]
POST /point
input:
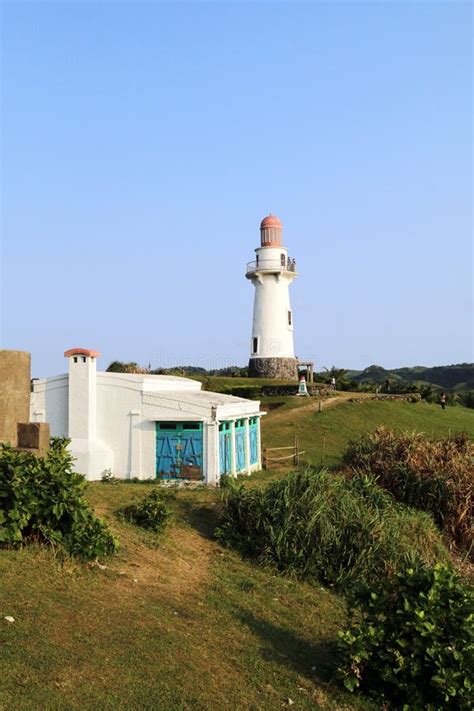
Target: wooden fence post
[(264, 457), (296, 459)]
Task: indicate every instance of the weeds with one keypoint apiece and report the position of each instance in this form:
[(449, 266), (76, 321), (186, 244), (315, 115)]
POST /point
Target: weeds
[(322, 526), (434, 476), (151, 513)]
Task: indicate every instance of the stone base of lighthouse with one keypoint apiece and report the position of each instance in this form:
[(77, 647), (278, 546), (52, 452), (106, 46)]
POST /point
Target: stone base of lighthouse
[(276, 368)]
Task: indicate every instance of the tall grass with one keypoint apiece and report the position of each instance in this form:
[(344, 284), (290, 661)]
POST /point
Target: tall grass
[(325, 527), (436, 476)]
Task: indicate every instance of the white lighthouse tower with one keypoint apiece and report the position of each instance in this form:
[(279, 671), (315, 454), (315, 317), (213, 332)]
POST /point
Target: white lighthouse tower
[(272, 352)]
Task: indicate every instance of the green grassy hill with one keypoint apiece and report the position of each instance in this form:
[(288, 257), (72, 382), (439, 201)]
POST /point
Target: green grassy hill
[(323, 435), (180, 623)]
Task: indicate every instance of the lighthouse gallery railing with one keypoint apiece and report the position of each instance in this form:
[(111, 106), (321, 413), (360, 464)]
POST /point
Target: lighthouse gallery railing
[(271, 265)]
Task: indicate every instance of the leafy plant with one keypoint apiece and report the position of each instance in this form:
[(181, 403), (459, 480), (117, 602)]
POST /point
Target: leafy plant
[(434, 476), (152, 512), (411, 640), (321, 525), (42, 499), (107, 477)]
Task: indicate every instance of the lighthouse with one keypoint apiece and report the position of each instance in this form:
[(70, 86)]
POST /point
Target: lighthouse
[(272, 352)]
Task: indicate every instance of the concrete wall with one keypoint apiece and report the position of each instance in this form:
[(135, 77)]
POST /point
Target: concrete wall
[(125, 410), (15, 369), (49, 403)]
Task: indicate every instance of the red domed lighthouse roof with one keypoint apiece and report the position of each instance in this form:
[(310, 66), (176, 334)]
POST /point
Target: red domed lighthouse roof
[(270, 231), (270, 221)]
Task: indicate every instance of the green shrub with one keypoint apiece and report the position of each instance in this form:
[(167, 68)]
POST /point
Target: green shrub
[(411, 640), (42, 499), (467, 398), (434, 476), (152, 512), (252, 392), (321, 525)]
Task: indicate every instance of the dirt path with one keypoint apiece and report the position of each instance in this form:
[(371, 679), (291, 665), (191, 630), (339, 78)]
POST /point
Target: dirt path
[(313, 405), (179, 565)]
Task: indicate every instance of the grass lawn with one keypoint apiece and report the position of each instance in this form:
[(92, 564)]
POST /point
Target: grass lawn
[(323, 435), (179, 623)]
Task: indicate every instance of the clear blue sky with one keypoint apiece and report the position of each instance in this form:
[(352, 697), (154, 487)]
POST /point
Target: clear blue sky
[(144, 142)]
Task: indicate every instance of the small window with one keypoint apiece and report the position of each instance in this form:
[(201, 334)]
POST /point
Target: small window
[(289, 318), (83, 359), (283, 260), (75, 359), (167, 425), (255, 344), (191, 425)]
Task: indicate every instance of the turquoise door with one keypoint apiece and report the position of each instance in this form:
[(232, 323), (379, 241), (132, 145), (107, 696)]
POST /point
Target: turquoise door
[(225, 448), (253, 425), (178, 449), (240, 446)]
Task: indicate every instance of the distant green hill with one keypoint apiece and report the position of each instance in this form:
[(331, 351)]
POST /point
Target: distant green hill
[(451, 377)]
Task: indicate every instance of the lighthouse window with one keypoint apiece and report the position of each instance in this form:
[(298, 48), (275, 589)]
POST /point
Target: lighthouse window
[(283, 260), (289, 318), (255, 345), (83, 359), (75, 359)]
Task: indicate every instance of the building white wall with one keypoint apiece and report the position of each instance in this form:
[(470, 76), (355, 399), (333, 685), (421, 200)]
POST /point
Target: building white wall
[(49, 403), (121, 423), (124, 410)]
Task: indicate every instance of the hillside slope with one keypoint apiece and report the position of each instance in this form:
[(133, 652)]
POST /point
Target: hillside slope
[(168, 624), (323, 435), (179, 622)]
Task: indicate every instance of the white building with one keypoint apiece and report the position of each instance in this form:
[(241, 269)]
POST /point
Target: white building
[(272, 352), (147, 426)]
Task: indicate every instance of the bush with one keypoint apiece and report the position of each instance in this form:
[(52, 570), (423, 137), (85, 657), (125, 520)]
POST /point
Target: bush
[(323, 526), (151, 512), (42, 499), (467, 398), (411, 640), (434, 476), (252, 392)]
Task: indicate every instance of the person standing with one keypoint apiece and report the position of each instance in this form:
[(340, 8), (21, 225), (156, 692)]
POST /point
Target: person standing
[(333, 383), (442, 400)]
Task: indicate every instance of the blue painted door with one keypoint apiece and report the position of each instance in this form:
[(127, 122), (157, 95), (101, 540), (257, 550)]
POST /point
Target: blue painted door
[(178, 449), (225, 448), (240, 446), (253, 424)]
